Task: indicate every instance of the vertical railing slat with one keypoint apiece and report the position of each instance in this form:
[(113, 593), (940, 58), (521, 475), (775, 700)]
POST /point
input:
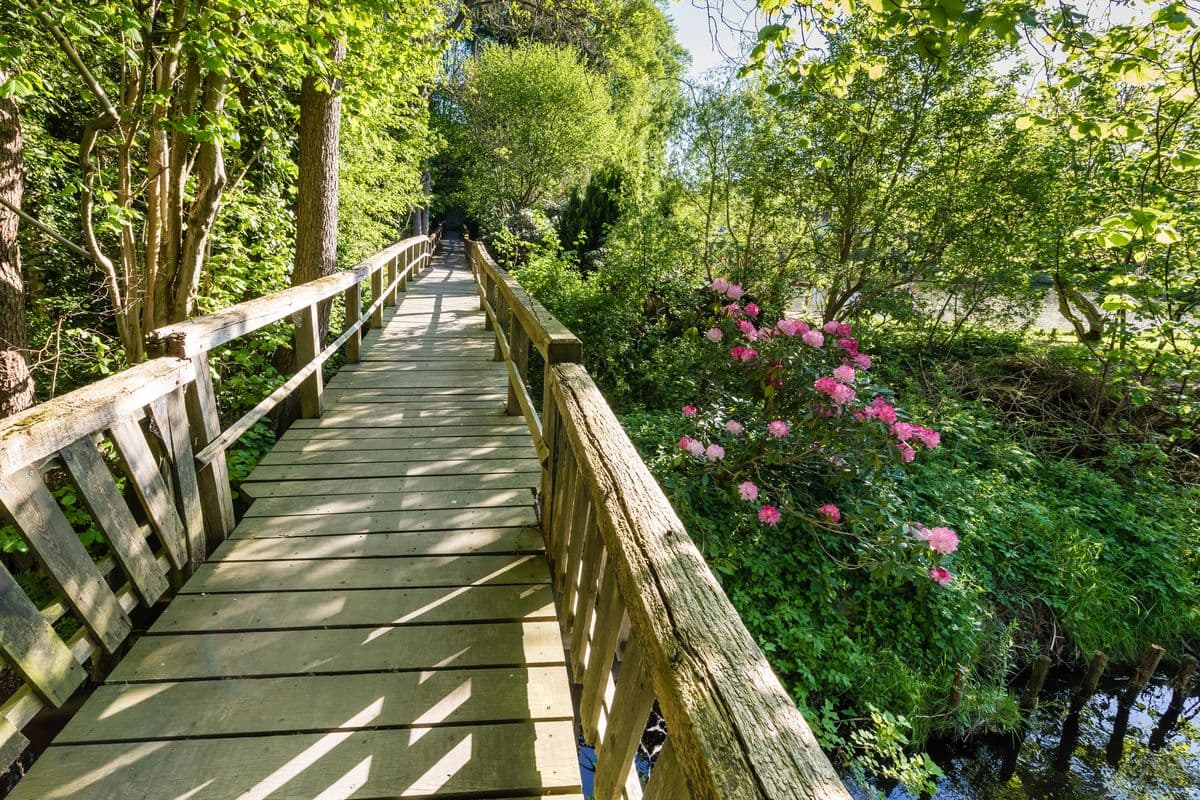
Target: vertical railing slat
[(204, 421), (151, 489), (90, 474), (30, 645), (627, 715), (63, 557)]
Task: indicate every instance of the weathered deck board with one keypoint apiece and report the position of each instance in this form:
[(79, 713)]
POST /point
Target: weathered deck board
[(381, 622), (503, 760)]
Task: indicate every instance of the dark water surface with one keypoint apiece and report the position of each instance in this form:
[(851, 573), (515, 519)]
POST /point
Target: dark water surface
[(1082, 755)]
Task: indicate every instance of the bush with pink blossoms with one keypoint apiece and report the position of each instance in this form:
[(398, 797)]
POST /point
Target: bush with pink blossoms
[(792, 423)]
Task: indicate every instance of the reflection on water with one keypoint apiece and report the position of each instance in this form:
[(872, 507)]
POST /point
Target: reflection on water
[(1094, 750)]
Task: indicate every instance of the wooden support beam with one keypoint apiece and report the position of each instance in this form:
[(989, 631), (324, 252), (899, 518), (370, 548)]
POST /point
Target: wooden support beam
[(308, 344)]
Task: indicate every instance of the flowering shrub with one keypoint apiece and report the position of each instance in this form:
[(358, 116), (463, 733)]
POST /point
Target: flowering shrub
[(790, 403)]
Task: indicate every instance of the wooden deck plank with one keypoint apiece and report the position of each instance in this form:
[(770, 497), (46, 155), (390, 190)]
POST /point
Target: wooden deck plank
[(388, 501), (374, 545), (205, 613), (503, 760), (367, 649), (420, 483), (355, 455), (366, 573), (313, 441), (394, 469), (389, 521), (133, 712)]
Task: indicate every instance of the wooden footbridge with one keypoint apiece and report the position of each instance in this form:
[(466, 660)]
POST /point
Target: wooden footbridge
[(443, 584)]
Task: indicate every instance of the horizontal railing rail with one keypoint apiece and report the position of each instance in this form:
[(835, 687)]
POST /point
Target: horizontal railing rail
[(645, 618), (141, 416), (519, 322)]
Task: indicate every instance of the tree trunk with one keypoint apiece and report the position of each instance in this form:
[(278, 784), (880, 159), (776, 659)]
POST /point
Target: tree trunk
[(316, 203), (317, 191), (16, 384)]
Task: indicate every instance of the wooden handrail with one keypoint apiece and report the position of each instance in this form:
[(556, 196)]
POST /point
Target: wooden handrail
[(645, 616), (195, 336)]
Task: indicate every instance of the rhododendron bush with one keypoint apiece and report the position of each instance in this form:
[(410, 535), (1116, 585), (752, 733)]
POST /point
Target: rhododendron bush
[(792, 424)]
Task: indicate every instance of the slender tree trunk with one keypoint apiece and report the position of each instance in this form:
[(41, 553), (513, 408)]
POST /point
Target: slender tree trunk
[(16, 384), (317, 191)]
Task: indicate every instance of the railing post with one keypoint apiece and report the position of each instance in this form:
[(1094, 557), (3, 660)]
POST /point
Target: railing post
[(518, 351), (353, 312), (502, 317), (406, 261), (550, 463), (489, 286), (376, 293), (391, 281), (308, 344), (213, 478)]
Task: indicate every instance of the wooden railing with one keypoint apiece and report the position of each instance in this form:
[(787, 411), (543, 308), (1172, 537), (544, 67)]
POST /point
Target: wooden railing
[(519, 322), (160, 420), (645, 618), (388, 273), (142, 415)]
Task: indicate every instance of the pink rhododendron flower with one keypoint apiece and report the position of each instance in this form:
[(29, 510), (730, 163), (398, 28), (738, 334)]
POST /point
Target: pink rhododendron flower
[(861, 360), (881, 410), (835, 328), (845, 374), (747, 491), (940, 575), (769, 515), (689, 411), (830, 512), (748, 330), (813, 339), (734, 292), (907, 452), (733, 310), (734, 427), (695, 448), (842, 394), (751, 309), (778, 428), (849, 345), (903, 431), (714, 334), (720, 285), (749, 354), (941, 540), (685, 443), (736, 353), (930, 439), (788, 327), (825, 384), (714, 452)]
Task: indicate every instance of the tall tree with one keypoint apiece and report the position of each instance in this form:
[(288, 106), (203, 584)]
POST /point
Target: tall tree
[(317, 198), (16, 385)]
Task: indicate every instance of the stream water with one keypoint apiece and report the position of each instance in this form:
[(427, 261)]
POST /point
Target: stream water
[(1099, 750), (1149, 750)]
